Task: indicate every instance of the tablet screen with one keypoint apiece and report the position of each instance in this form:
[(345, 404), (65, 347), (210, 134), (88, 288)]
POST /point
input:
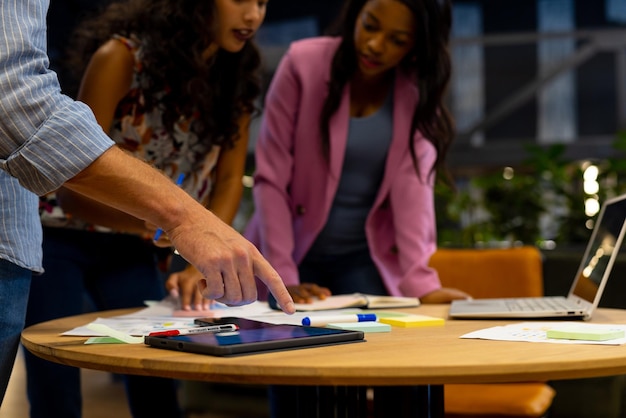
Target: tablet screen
[(253, 336)]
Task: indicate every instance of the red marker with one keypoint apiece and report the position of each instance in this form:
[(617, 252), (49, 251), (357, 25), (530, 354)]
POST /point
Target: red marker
[(187, 331)]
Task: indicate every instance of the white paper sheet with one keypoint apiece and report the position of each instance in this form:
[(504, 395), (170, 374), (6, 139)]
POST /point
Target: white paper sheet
[(536, 332), (159, 316)]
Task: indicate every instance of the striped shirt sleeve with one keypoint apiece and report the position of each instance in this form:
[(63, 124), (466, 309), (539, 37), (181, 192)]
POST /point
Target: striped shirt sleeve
[(46, 138)]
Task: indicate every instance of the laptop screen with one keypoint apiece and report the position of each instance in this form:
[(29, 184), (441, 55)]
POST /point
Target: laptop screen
[(601, 251)]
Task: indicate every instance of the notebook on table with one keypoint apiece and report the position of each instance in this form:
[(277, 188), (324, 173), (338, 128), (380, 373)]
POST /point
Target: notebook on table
[(586, 288)]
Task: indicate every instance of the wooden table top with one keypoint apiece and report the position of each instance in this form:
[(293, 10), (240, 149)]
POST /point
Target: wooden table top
[(405, 356)]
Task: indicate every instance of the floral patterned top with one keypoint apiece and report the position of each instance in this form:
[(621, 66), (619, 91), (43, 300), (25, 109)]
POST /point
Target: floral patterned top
[(144, 135)]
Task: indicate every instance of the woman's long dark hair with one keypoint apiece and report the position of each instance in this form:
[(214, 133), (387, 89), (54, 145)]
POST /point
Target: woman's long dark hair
[(175, 77), (428, 64)]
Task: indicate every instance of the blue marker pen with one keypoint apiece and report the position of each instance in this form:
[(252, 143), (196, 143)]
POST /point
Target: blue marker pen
[(323, 320), (159, 231)]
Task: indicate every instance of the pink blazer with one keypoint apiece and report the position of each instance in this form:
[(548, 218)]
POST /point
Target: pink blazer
[(294, 187)]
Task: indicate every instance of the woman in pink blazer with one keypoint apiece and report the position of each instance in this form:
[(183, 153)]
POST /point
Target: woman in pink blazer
[(355, 130)]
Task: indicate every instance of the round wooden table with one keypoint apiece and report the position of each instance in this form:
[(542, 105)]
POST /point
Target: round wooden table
[(427, 357)]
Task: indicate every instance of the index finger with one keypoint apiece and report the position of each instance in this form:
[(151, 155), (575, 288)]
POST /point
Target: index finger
[(270, 277)]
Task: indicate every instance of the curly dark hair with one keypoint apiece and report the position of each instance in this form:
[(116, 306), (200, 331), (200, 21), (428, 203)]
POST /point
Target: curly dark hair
[(428, 63), (176, 77)]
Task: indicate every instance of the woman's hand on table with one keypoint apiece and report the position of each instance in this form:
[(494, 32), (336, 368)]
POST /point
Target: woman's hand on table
[(307, 292), (444, 295), (184, 284)]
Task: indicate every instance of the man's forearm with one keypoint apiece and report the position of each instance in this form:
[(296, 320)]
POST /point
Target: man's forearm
[(79, 206), (125, 183), (227, 261)]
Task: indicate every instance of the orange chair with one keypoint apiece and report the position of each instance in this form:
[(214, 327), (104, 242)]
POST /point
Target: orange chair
[(483, 273)]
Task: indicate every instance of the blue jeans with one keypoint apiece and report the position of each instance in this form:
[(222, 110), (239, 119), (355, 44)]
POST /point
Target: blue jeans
[(342, 274), (114, 271), (14, 284)]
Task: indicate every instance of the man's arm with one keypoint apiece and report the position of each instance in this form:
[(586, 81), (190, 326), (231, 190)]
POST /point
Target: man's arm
[(46, 139), (226, 259)]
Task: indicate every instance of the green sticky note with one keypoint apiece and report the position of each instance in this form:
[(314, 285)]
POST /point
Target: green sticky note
[(110, 332), (367, 326), (588, 332), (104, 340)]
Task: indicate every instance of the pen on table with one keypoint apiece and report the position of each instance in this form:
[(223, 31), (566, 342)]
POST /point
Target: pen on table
[(323, 320), (159, 231), (197, 330)]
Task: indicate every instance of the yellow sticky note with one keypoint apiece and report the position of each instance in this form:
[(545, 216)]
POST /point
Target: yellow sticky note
[(411, 321)]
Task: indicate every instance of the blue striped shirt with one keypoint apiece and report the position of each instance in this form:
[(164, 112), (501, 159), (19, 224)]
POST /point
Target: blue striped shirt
[(45, 138)]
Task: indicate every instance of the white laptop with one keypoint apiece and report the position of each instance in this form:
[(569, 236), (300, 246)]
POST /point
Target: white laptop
[(587, 287)]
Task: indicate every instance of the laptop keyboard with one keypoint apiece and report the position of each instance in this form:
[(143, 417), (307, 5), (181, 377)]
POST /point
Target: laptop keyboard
[(536, 304)]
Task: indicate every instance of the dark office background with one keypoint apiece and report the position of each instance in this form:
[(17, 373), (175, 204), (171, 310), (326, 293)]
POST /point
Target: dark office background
[(595, 79), (506, 68)]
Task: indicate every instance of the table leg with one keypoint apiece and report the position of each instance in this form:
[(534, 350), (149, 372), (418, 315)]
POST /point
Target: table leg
[(424, 401), (435, 403), (350, 402), (319, 402)]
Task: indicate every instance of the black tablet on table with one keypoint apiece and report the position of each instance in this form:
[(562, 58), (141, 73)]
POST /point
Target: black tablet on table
[(252, 337)]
